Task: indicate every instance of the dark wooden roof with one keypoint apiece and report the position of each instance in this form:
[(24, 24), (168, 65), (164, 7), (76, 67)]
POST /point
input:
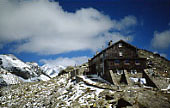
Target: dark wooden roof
[(120, 41)]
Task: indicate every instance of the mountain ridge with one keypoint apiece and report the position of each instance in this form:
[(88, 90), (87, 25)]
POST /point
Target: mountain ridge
[(14, 71)]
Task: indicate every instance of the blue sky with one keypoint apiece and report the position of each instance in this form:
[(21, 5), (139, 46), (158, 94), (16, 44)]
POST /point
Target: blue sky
[(72, 31)]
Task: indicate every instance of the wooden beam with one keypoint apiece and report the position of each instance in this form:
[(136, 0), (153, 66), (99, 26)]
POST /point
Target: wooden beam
[(114, 80), (127, 78)]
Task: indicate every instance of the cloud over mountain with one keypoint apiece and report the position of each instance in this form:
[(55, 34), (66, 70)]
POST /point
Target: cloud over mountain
[(43, 27), (66, 61)]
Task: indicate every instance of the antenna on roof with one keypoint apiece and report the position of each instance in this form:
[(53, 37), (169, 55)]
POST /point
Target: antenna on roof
[(128, 39), (97, 52), (110, 43), (102, 47)]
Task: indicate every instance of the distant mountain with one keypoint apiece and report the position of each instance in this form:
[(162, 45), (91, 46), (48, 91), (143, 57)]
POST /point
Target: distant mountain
[(17, 67), (6, 78), (14, 71), (52, 70)]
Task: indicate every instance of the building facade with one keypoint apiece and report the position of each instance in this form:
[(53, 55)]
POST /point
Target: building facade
[(117, 58)]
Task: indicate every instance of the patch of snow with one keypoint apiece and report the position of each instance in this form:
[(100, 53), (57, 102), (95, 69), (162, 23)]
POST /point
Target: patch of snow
[(97, 90), (93, 77), (87, 79), (10, 78), (134, 79), (168, 88), (77, 92), (9, 61), (28, 80), (43, 77), (141, 80), (148, 87), (32, 64)]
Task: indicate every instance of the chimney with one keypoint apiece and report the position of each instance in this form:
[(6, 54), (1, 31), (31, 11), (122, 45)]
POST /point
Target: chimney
[(97, 52), (110, 43)]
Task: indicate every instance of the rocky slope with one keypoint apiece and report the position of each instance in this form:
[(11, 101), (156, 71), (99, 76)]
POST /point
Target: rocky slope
[(159, 64), (6, 78), (62, 92), (158, 68)]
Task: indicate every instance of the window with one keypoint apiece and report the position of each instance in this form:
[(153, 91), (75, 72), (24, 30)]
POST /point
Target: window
[(137, 62), (101, 55), (133, 71), (117, 62), (97, 67), (94, 60), (101, 65), (119, 72), (127, 62), (120, 45), (106, 55), (101, 60), (120, 54)]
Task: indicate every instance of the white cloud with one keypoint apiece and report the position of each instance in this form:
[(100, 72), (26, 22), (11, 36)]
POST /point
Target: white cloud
[(43, 27), (161, 40), (66, 61), (127, 21)]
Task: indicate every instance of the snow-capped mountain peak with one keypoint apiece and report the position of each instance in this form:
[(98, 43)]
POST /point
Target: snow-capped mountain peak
[(9, 61), (52, 70), (16, 66)]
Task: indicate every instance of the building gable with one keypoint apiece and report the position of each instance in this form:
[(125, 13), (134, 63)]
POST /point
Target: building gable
[(121, 49)]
